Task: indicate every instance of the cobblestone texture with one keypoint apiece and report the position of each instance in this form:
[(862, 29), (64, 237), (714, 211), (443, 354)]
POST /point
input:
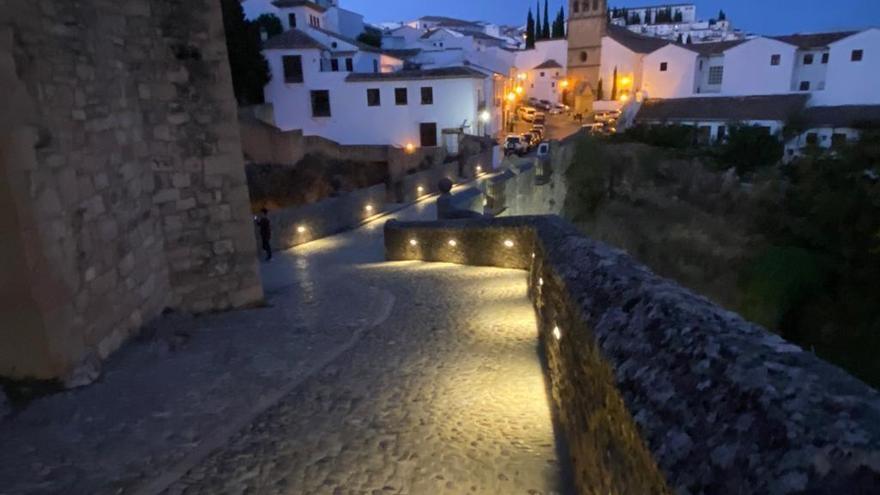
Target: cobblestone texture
[(446, 396)]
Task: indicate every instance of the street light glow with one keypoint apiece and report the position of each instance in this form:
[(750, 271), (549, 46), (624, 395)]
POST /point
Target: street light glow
[(485, 116), (519, 90), (301, 229), (624, 97), (563, 84), (452, 243), (369, 208), (511, 96), (508, 243), (557, 332), (413, 242)]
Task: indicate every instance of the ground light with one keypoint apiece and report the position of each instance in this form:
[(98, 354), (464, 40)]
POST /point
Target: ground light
[(557, 333), (369, 208), (508, 243), (452, 243), (421, 190), (479, 169), (485, 116), (413, 242), (301, 229)]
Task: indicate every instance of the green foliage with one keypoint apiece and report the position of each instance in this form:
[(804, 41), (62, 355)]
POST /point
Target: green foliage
[(664, 136), (250, 71), (545, 29), (750, 148), (371, 37), (270, 24), (600, 91), (778, 281), (530, 30), (590, 180)]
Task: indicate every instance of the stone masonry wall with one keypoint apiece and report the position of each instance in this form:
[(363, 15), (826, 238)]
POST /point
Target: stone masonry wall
[(125, 187), (657, 389)]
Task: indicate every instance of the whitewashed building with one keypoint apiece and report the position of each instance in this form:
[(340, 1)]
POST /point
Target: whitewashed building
[(540, 70), (681, 23), (330, 85)]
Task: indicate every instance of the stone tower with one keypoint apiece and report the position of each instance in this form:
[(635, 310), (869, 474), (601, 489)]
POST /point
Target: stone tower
[(587, 23)]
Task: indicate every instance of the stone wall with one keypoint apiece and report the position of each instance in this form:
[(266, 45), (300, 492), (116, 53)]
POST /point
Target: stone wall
[(123, 188), (657, 389), (294, 226)]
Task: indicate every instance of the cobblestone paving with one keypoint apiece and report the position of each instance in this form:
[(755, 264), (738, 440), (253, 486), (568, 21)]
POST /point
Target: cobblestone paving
[(447, 396)]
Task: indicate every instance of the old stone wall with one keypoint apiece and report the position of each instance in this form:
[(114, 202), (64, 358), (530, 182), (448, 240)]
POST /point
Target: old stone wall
[(123, 185), (657, 389)]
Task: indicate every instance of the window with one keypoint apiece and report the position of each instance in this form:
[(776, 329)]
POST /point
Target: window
[(400, 96), (857, 55), (808, 59), (775, 59), (428, 134), (374, 98), (584, 57), (293, 69), (664, 66), (595, 4), (722, 133), (321, 103), (334, 64), (812, 138), (825, 58), (821, 86), (541, 74), (427, 95), (375, 66), (291, 19), (349, 64), (701, 65), (314, 21), (805, 86), (716, 74), (553, 84), (576, 6)]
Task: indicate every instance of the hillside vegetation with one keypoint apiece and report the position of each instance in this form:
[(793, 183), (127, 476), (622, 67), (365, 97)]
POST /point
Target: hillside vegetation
[(794, 248)]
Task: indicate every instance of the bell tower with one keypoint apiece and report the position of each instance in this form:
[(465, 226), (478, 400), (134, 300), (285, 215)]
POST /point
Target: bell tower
[(587, 24)]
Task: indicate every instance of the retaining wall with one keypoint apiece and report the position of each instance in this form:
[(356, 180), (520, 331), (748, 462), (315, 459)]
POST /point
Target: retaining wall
[(657, 389), (301, 224)]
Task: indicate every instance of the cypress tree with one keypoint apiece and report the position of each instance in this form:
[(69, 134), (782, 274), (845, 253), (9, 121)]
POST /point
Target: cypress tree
[(600, 92), (545, 32), (722, 16), (250, 70), (680, 39), (559, 24), (530, 31), (538, 29), (689, 40)]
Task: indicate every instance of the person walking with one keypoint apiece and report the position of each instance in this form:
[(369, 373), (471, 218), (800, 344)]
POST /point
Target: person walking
[(265, 227)]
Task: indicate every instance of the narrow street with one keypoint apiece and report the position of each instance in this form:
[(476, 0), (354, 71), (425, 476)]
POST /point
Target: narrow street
[(360, 377)]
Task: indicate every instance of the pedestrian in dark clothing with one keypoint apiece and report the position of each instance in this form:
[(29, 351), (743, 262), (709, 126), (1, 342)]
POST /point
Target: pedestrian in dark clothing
[(265, 232)]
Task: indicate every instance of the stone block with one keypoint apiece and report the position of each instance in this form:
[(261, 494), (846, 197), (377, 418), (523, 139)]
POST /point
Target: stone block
[(246, 297), (166, 196)]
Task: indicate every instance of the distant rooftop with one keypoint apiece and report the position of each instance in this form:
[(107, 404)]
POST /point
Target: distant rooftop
[(404, 75), (448, 21), (768, 107), (843, 116), (548, 64), (635, 42), (293, 39), (714, 48), (299, 3), (814, 40)]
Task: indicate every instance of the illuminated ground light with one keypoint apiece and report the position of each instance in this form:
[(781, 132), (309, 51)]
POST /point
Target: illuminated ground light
[(369, 208), (413, 242), (479, 169), (557, 332), (485, 202), (533, 255), (410, 148), (452, 243), (508, 243), (540, 281), (421, 190), (301, 229)]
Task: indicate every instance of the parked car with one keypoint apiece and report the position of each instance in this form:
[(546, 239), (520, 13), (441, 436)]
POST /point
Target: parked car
[(540, 118), (605, 116), (534, 101), (527, 113), (515, 144), (594, 127), (558, 108), (531, 140), (544, 104)]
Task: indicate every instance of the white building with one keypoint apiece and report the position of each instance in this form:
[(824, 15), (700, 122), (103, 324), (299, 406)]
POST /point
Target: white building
[(674, 22), (327, 84), (540, 71)]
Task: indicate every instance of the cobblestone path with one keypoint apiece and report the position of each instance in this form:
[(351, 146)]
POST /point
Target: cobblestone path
[(307, 396)]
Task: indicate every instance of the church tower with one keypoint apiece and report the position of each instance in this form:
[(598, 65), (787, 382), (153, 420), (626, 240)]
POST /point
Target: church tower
[(587, 24)]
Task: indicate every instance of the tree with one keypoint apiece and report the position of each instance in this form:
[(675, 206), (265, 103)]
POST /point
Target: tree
[(530, 31), (635, 19), (539, 23), (600, 91), (559, 24), (680, 39), (750, 148), (371, 37), (678, 17), (545, 31), (269, 24), (250, 71), (614, 85), (689, 40), (722, 16)]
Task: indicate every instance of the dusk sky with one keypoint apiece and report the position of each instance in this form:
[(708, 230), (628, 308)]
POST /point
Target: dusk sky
[(759, 16)]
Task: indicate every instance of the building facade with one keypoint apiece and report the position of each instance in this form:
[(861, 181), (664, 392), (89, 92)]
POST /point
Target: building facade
[(587, 25)]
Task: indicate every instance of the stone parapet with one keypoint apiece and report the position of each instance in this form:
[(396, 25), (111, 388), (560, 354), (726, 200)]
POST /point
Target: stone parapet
[(657, 389)]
